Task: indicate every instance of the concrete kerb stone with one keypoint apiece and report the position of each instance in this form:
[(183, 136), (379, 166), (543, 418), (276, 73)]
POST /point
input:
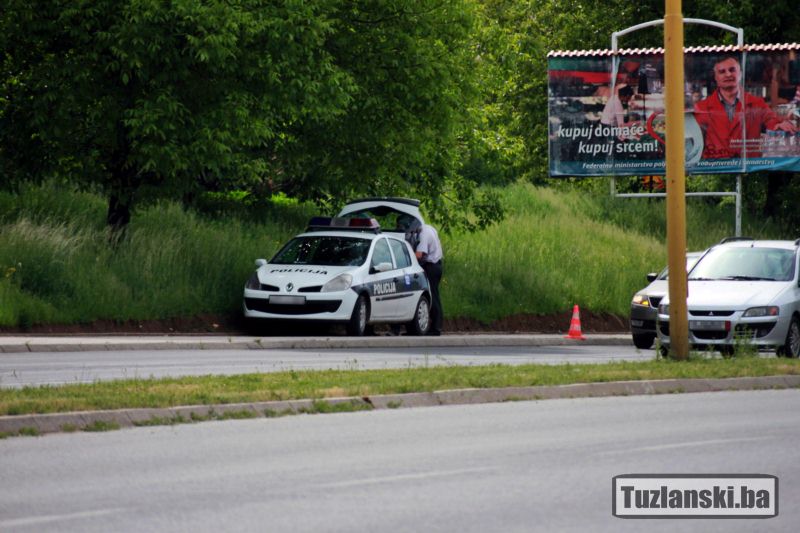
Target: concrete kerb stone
[(191, 412), (35, 347), (46, 344), (59, 422), (49, 423), (235, 408), (12, 425), (13, 348), (413, 399), (152, 415), (110, 418)]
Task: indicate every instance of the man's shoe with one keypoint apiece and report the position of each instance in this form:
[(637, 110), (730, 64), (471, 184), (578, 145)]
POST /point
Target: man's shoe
[(434, 333)]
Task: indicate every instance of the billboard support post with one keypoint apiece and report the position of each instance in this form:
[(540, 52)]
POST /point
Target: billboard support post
[(738, 205)]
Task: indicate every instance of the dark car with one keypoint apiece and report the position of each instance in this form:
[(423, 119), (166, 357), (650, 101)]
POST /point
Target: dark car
[(644, 306)]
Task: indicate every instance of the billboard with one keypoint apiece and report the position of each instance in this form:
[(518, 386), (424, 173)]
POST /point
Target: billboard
[(742, 111)]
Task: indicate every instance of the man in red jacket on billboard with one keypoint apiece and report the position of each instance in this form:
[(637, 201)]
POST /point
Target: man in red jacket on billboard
[(720, 115)]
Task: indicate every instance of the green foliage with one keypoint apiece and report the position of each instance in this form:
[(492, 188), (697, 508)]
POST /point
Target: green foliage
[(572, 246), (545, 257), (321, 100), (555, 249), (143, 92), (174, 263)]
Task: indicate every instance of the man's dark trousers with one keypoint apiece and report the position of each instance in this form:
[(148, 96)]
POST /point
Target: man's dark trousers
[(434, 273)]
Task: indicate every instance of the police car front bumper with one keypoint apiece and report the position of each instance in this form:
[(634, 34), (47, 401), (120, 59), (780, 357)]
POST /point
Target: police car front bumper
[(322, 306)]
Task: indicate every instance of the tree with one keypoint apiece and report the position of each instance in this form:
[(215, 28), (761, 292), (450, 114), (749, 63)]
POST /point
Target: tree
[(144, 92), (414, 106), (322, 100), (525, 31)]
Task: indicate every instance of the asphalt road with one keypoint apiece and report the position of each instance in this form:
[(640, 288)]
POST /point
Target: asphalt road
[(522, 466), (54, 368)]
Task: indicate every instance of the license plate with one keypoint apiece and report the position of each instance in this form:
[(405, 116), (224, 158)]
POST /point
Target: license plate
[(707, 325), (287, 300)]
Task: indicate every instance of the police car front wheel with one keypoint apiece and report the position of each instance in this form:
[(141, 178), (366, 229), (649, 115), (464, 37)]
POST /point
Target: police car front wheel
[(357, 325)]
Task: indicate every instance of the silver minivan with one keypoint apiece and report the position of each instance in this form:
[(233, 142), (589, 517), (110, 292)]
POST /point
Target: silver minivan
[(743, 291)]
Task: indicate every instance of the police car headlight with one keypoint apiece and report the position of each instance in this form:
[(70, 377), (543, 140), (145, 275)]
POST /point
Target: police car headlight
[(253, 284), (772, 310), (341, 282), (641, 299)]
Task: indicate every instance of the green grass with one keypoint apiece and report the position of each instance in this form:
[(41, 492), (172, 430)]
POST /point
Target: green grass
[(61, 268), (319, 385), (558, 246), (545, 257)]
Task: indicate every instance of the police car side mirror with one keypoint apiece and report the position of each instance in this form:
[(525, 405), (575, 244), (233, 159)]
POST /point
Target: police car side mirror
[(381, 267), (260, 263), (651, 277)]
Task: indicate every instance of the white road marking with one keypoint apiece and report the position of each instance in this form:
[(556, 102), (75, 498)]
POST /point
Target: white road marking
[(37, 520), (683, 445), (404, 477)]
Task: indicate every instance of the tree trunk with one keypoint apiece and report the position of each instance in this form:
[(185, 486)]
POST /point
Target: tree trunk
[(120, 203), (776, 186), (119, 213), (123, 187)]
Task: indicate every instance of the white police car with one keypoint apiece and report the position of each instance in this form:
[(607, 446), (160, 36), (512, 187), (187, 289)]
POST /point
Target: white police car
[(342, 270)]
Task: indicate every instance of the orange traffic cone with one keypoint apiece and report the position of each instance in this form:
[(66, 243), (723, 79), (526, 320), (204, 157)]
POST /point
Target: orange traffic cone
[(575, 325)]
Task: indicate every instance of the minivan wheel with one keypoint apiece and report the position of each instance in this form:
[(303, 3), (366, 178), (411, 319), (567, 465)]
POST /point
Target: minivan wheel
[(792, 346), (726, 350)]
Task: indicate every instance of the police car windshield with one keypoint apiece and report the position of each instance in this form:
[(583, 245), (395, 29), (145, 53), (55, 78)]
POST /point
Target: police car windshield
[(321, 250), (746, 264)]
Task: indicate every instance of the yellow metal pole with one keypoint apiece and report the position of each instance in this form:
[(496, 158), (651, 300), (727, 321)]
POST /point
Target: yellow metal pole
[(676, 179)]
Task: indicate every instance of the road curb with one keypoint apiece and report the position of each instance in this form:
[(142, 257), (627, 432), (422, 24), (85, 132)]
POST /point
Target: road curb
[(78, 344), (114, 419)]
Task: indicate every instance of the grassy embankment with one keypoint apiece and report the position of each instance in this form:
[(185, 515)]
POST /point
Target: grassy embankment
[(554, 249)]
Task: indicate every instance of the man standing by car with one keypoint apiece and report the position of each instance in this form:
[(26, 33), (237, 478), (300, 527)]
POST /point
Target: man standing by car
[(429, 254), (424, 239)]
